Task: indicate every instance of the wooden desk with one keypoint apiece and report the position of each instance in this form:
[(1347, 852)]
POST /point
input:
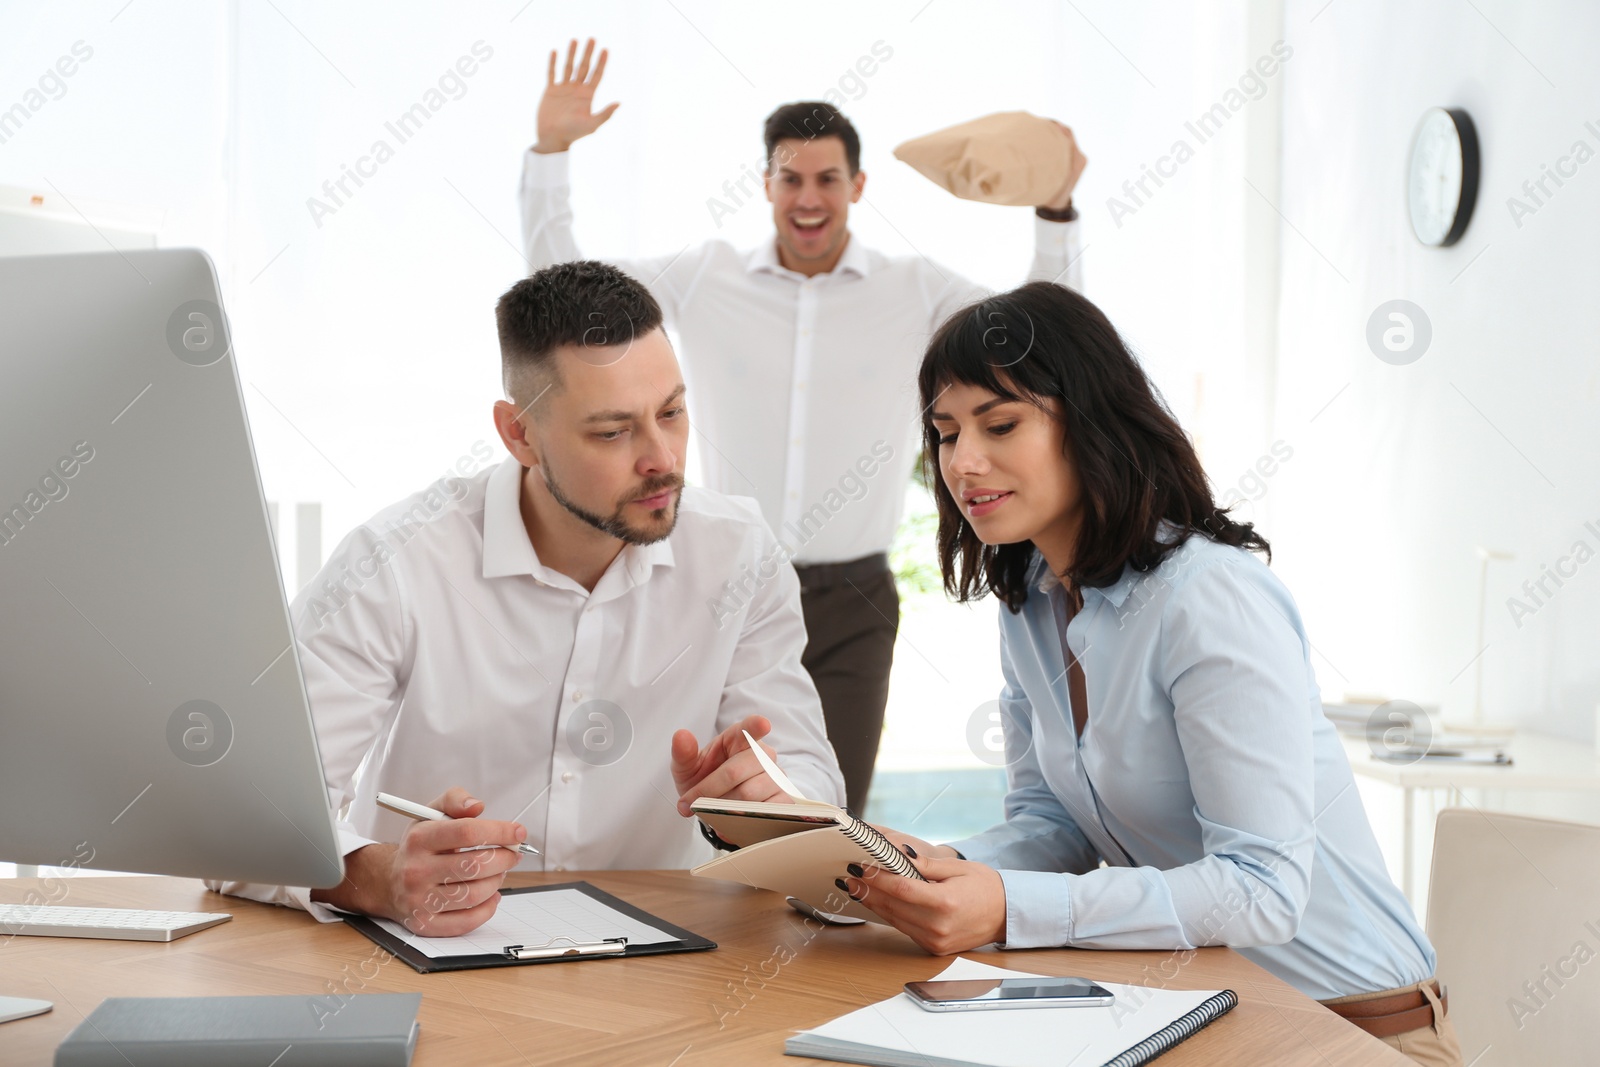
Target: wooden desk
[(773, 973)]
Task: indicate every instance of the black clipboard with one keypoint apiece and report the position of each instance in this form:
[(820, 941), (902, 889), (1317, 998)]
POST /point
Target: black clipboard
[(423, 964)]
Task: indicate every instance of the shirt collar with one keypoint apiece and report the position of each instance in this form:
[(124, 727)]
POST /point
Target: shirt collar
[(1118, 590), (508, 552), (506, 548), (1042, 578), (764, 257), (642, 559)]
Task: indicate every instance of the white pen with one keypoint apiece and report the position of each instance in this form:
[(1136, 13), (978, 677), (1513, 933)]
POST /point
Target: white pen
[(422, 813)]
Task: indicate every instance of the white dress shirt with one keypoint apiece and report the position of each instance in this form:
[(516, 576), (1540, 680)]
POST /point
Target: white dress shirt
[(438, 651), (803, 390)]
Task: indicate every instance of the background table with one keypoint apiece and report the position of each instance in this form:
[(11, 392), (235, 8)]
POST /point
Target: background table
[(1540, 763), (773, 973)]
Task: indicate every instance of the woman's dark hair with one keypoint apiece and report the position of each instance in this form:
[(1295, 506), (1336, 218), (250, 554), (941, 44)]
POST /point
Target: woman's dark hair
[(1136, 466)]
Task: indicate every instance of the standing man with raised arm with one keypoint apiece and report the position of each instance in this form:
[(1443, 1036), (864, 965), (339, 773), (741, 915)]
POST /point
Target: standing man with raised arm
[(803, 352)]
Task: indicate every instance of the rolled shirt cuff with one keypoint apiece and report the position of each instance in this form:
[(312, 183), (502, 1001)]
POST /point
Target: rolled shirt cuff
[(1038, 909), (287, 896), (544, 170), (323, 913), (1056, 238), (296, 896)]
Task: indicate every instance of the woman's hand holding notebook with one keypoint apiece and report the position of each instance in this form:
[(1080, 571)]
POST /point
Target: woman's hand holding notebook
[(796, 847)]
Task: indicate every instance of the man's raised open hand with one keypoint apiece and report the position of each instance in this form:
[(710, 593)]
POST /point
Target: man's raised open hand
[(566, 108)]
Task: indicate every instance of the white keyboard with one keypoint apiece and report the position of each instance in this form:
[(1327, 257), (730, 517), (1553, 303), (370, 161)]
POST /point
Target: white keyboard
[(122, 924)]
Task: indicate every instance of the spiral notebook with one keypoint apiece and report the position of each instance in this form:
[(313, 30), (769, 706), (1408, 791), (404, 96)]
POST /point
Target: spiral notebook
[(796, 848), (1141, 1024)]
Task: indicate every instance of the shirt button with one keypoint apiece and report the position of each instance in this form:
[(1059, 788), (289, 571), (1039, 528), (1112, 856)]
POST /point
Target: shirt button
[(577, 694), (566, 776)]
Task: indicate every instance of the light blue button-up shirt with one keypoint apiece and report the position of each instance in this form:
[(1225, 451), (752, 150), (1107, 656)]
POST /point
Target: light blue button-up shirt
[(1207, 779)]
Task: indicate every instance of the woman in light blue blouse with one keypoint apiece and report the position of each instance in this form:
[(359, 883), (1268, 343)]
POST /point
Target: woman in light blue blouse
[(1173, 782)]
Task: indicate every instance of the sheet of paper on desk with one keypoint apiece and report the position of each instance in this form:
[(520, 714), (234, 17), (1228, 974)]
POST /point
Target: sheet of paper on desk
[(896, 1031), (536, 919)]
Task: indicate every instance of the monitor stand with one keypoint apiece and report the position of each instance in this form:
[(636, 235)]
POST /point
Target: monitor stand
[(13, 1008)]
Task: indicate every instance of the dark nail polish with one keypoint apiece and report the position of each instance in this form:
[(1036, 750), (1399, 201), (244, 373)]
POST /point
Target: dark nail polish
[(842, 887), (855, 870), (908, 850)]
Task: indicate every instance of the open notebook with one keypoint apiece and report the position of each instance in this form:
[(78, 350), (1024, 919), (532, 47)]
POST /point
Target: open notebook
[(1140, 1025), (797, 848)]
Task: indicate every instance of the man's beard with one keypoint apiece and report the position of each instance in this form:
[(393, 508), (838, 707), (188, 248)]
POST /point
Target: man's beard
[(616, 525)]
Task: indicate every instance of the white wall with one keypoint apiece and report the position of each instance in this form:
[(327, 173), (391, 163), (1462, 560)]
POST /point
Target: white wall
[(366, 342), (142, 121), (367, 347), (1492, 437)]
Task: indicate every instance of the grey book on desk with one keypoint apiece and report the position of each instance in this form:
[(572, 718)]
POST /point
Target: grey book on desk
[(360, 1030)]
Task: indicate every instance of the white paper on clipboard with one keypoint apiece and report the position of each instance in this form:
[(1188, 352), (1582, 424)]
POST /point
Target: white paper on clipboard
[(533, 920)]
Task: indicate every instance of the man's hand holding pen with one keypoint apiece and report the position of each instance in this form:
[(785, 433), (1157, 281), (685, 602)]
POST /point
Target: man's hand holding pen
[(425, 882)]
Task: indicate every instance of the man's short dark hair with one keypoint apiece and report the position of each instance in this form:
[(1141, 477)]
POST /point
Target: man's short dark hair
[(806, 121), (583, 303)]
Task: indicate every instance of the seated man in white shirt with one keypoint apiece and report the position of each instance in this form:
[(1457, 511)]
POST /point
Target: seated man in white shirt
[(530, 644)]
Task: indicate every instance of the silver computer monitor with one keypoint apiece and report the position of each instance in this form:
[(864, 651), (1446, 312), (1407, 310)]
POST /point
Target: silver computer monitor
[(152, 713)]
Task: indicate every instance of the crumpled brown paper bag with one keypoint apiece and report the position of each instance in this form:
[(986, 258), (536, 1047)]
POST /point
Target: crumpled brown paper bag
[(1010, 157)]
